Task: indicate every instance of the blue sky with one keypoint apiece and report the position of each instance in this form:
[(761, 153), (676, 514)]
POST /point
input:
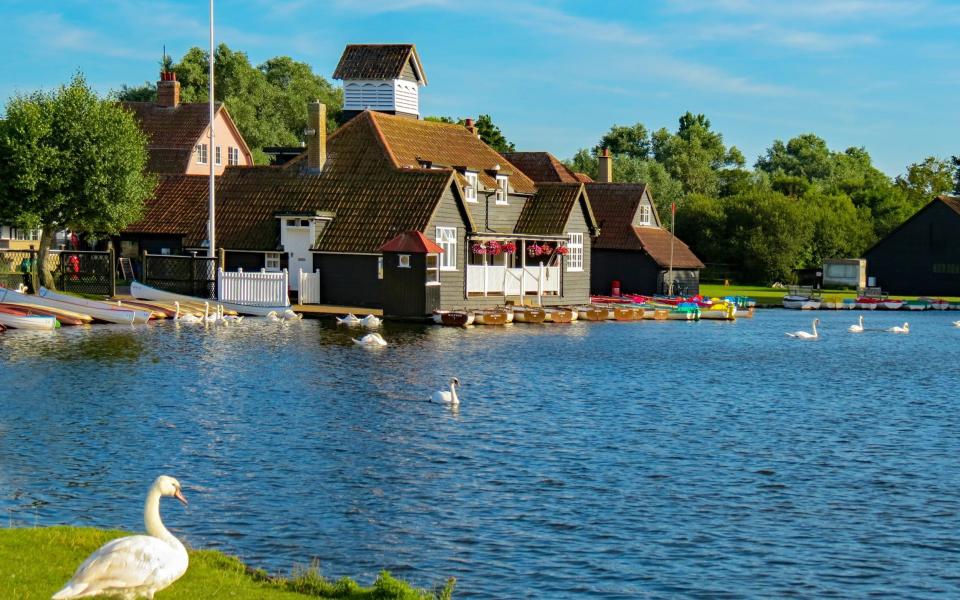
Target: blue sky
[(884, 74)]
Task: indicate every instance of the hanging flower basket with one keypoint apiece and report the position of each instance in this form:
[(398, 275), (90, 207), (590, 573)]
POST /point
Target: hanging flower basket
[(494, 248), (562, 250), (546, 249), (534, 250), (509, 247), (479, 248)]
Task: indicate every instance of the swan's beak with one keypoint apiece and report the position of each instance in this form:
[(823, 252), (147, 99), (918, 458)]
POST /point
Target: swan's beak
[(179, 496)]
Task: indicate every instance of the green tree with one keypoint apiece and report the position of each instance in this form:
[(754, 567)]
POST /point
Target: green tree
[(69, 160), (627, 169), (695, 154), (769, 233), (926, 179), (840, 229), (701, 224), (805, 156), (623, 140)]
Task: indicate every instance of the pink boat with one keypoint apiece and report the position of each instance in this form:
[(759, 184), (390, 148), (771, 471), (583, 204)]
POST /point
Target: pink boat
[(868, 303)]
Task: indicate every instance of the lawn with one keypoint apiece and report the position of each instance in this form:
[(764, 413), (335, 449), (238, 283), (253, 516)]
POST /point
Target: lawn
[(38, 561), (774, 296)]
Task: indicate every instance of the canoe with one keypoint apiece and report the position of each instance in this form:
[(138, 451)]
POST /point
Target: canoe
[(529, 315), (593, 313), (98, 310), (891, 304), (27, 310), (453, 318), (145, 292), (801, 303), (490, 317), (558, 315), (33, 322)]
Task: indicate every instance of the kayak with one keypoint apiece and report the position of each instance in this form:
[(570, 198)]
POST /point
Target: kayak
[(106, 313)]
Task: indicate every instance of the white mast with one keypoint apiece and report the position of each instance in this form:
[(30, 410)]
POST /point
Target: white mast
[(211, 155), (673, 227)]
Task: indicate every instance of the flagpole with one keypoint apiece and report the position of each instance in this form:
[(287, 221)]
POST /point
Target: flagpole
[(211, 157), (673, 225)]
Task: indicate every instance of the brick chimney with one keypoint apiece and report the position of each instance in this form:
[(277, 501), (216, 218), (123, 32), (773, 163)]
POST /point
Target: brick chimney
[(470, 126), (605, 172), (168, 90), (316, 134)]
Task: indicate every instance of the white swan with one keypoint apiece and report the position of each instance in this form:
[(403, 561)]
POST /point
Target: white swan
[(137, 565), (446, 397), (273, 316), (897, 329), (228, 318), (806, 335), (856, 328), (370, 321), (289, 315), (956, 323), (207, 317), (186, 317), (371, 339), (350, 320)]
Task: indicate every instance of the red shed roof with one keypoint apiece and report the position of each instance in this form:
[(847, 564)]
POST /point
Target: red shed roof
[(413, 242)]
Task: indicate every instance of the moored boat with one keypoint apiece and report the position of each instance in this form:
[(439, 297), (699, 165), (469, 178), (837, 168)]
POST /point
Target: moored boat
[(938, 303), (453, 318), (719, 312), (916, 304), (832, 303), (559, 315), (868, 303), (848, 304), (683, 315), (529, 315), (145, 292), (490, 317), (593, 313), (891, 304), (28, 321), (801, 302), (66, 317), (100, 311)]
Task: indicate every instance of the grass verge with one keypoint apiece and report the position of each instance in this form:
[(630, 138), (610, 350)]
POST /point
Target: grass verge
[(38, 561), (774, 296)]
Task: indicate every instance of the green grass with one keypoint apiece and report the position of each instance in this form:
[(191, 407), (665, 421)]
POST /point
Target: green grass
[(36, 562), (774, 296)]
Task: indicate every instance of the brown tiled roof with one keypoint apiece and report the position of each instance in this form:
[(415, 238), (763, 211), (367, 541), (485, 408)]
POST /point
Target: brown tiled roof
[(542, 167), (413, 242), (173, 132), (583, 177), (178, 207), (549, 210), (409, 142), (615, 205), (656, 243), (376, 61), (951, 201)]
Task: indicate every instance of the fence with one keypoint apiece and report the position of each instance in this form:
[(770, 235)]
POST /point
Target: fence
[(253, 289), (189, 275), (78, 271), (309, 288)]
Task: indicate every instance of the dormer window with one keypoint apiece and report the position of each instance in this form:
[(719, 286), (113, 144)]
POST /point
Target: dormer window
[(470, 189), (644, 216), (201, 154), (503, 189)]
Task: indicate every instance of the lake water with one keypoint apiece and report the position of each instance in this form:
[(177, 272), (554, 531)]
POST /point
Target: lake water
[(613, 460)]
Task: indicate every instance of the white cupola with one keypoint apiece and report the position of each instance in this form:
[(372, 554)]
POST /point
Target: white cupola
[(381, 77)]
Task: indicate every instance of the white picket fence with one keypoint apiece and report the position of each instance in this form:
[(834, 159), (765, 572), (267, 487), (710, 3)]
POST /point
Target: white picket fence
[(309, 287), (253, 289)]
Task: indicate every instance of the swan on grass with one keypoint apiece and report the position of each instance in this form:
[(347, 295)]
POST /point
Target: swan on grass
[(137, 565), (898, 329), (186, 317), (806, 335), (371, 339), (350, 320), (447, 397), (856, 328)]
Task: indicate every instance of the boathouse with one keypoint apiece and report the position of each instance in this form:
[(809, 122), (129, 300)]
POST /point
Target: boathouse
[(922, 255)]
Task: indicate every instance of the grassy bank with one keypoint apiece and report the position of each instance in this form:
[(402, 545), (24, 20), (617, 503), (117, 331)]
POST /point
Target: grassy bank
[(36, 562), (774, 296)]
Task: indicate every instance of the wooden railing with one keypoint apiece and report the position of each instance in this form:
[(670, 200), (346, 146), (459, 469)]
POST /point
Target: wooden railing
[(492, 280)]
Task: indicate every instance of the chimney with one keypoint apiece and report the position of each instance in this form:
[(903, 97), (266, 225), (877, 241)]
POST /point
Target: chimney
[(168, 90), (316, 134), (470, 126), (605, 172)]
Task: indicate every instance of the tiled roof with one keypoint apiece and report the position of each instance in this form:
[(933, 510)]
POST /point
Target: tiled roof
[(615, 205), (583, 177), (413, 242), (951, 201), (376, 61), (542, 167), (656, 243), (548, 211), (178, 207), (173, 132), (410, 142)]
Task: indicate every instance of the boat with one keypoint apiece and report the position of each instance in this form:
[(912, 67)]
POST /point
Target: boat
[(683, 315), (453, 318), (848, 304), (625, 313), (559, 315), (891, 304), (490, 317), (145, 292), (2, 327), (868, 303), (916, 304), (529, 315), (801, 302), (100, 311), (593, 313), (24, 320), (66, 317), (938, 303), (719, 312), (832, 303)]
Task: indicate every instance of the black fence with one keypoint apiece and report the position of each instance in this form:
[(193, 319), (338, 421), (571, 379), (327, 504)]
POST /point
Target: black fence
[(77, 271), (188, 275)]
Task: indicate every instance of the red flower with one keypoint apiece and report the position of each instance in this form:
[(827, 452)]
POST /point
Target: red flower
[(546, 249), (479, 248), (494, 247), (562, 250), (509, 247)]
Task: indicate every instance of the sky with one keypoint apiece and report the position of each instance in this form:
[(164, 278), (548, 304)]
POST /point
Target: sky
[(554, 74)]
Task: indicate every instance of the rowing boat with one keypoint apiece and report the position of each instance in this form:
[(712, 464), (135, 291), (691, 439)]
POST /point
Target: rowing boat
[(25, 321), (27, 310), (100, 311), (145, 292)]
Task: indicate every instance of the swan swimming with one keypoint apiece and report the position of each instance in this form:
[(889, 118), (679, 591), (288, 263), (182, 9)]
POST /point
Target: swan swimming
[(371, 339), (370, 321), (186, 317), (349, 320), (445, 397), (805, 335), (136, 565), (228, 318), (289, 315), (956, 323), (898, 329), (856, 328)]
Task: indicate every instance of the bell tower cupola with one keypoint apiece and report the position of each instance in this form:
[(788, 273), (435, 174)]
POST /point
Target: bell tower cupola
[(382, 77)]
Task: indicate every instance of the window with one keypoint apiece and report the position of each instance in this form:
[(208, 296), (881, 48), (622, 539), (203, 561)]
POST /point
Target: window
[(575, 252), (644, 216), (379, 267), (503, 189), (272, 261), (298, 222), (447, 239), (433, 269), (216, 157), (470, 190), (233, 156), (202, 154), (403, 261), (25, 235)]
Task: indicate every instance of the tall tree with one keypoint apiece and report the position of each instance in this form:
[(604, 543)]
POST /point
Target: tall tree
[(805, 156), (695, 154), (627, 169), (623, 140), (70, 160), (926, 179)]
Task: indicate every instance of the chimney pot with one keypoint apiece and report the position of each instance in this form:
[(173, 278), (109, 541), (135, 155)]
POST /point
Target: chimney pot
[(470, 126), (316, 135), (605, 164), (168, 90)]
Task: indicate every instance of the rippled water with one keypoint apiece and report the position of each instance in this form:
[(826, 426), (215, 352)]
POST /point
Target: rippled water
[(607, 460)]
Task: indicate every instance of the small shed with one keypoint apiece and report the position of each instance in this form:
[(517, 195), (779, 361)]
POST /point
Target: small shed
[(845, 272), (411, 276)]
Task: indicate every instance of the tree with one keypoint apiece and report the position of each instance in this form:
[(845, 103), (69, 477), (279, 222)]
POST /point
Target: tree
[(927, 179), (701, 224), (695, 154), (955, 160), (71, 160), (805, 156), (769, 233), (840, 229), (627, 169), (486, 129), (632, 141)]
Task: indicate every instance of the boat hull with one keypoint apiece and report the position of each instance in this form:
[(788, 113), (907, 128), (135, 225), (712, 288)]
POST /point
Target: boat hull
[(559, 315), (529, 315), (453, 318), (591, 313), (490, 317), (30, 322), (103, 312), (145, 292)]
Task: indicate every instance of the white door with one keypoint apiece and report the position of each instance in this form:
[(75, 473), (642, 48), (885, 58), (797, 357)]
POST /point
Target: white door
[(297, 239)]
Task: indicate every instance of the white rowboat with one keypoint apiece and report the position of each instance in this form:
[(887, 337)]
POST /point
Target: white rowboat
[(35, 322), (101, 311), (145, 292)]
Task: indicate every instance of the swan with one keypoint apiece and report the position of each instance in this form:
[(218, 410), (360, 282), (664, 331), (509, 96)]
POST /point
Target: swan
[(137, 565), (904, 329), (289, 315), (273, 316), (856, 328), (207, 317), (805, 335), (371, 339), (349, 320), (446, 397), (228, 318), (956, 323), (370, 321), (186, 317)]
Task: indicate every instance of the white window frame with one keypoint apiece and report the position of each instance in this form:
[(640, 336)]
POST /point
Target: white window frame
[(433, 271), (446, 238), (646, 215), (574, 252), (403, 261), (470, 189), (379, 267), (503, 190), (201, 154), (233, 155), (217, 157), (271, 262)]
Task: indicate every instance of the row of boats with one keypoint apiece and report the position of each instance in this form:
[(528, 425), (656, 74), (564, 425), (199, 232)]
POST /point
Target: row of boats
[(864, 303), (605, 308)]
